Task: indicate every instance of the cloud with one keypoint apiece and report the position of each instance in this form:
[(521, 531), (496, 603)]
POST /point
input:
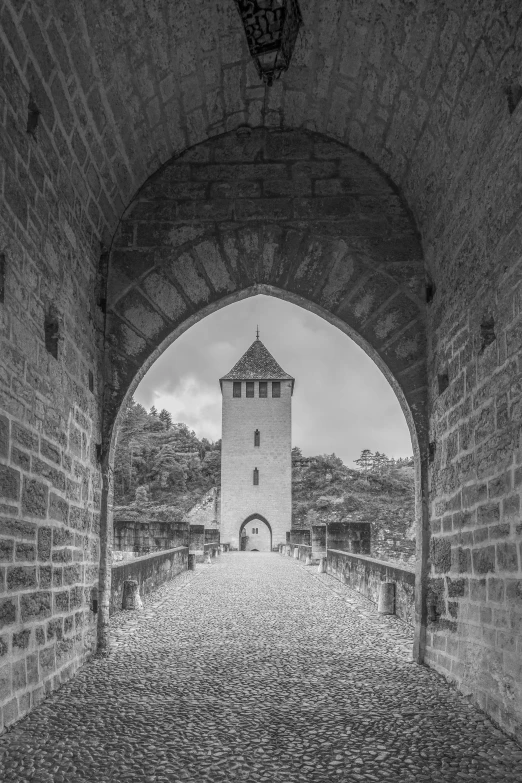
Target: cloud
[(342, 402), (194, 403)]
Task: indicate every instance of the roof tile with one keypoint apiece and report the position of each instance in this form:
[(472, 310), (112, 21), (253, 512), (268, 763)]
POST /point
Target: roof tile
[(256, 364)]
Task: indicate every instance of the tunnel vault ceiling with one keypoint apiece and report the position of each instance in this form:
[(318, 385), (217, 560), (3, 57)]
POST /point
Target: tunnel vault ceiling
[(124, 85), (419, 88), (291, 210)]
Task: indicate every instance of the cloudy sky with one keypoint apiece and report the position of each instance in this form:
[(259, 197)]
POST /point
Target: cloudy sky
[(342, 403)]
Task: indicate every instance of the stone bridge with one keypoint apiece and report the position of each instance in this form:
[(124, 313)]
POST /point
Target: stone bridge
[(148, 178), (257, 668)]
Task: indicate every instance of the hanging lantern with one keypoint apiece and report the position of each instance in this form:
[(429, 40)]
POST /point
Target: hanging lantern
[(271, 28)]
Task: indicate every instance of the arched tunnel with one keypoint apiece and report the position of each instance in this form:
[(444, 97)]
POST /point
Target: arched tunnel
[(377, 183)]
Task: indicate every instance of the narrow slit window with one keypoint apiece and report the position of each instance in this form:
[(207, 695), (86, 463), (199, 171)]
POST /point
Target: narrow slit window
[(51, 333), (250, 388), (256, 477), (263, 389), (237, 389), (276, 389), (487, 331), (257, 438), (443, 381), (514, 96), (255, 531), (33, 113), (2, 278)]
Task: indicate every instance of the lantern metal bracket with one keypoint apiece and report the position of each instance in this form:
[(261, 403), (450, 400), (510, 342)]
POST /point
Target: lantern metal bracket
[(271, 28)]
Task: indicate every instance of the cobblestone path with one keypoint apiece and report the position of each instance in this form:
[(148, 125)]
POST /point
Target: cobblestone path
[(255, 670)]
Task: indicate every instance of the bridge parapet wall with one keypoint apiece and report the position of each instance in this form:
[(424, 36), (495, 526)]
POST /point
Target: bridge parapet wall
[(304, 551), (365, 575), (150, 571)]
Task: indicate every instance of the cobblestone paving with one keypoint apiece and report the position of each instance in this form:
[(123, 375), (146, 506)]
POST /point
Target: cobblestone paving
[(254, 669)]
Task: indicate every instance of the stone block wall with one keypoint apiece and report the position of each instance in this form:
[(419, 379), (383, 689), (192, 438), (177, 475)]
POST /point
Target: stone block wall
[(150, 571), (271, 499), (475, 453), (475, 590), (50, 328), (428, 93), (349, 536), (365, 575), (131, 535)]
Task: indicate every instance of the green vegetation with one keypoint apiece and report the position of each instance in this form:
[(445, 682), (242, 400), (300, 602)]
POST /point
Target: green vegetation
[(324, 489), (160, 467), (162, 470)]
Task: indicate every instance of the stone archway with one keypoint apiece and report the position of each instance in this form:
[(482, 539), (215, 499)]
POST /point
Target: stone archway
[(260, 540), (288, 213), (292, 210)]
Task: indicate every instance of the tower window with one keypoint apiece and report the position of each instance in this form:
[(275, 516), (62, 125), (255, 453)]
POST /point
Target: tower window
[(250, 388), (51, 332), (255, 531), (256, 477), (236, 392), (257, 438), (263, 392), (276, 389)]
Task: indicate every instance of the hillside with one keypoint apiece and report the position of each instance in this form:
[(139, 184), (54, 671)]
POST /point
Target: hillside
[(325, 490), (163, 471)]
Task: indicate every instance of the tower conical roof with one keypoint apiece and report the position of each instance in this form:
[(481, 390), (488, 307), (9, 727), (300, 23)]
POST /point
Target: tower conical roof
[(257, 364)]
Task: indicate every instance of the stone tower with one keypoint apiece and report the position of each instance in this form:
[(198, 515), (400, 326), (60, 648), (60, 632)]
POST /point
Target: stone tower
[(256, 465)]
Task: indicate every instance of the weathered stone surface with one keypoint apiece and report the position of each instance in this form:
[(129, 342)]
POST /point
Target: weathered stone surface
[(7, 611), (58, 508), (35, 606), (6, 549), (441, 554), (21, 577), (9, 483), (4, 436), (34, 498), (25, 551), (428, 95), (336, 739), (44, 543)]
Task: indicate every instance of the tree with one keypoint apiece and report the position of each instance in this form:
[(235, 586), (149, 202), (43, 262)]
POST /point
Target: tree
[(296, 453), (365, 461), (379, 463), (166, 418), (153, 412), (142, 495), (167, 471), (211, 466)]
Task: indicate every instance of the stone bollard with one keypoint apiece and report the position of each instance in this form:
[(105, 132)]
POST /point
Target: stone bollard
[(131, 595), (289, 551), (322, 565), (296, 553), (308, 560), (386, 604), (191, 563)]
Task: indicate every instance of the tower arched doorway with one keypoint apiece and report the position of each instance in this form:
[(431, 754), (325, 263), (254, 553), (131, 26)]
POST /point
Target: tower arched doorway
[(255, 534)]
